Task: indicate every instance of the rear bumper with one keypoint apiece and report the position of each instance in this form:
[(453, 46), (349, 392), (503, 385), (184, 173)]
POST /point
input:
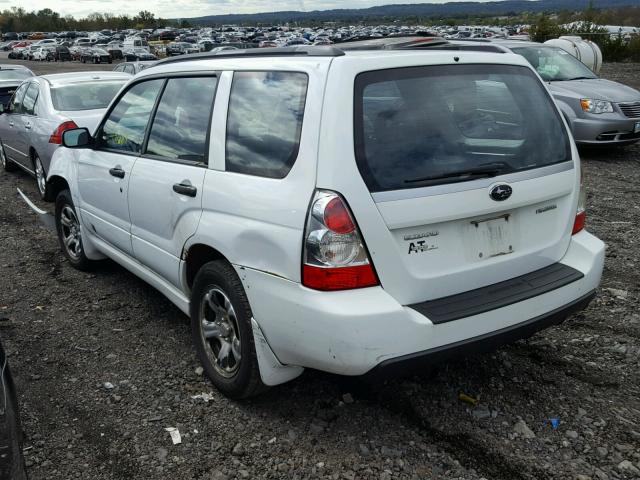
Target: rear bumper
[(353, 332), (483, 343)]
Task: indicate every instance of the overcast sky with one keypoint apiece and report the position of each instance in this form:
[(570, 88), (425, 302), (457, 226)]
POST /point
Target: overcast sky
[(193, 8)]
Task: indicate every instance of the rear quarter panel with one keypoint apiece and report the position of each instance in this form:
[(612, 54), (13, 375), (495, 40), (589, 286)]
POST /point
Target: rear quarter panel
[(258, 222)]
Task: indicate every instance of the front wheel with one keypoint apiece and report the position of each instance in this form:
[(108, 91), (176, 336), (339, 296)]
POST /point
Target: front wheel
[(69, 231), (222, 333)]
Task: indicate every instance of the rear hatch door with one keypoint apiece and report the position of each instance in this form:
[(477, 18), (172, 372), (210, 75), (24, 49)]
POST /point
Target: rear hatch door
[(468, 177)]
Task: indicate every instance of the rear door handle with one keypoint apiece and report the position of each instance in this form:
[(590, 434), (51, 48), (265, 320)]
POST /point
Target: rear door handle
[(11, 124), (185, 189), (27, 126), (116, 172)]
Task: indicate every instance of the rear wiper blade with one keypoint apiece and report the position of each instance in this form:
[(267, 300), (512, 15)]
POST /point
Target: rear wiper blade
[(484, 170)]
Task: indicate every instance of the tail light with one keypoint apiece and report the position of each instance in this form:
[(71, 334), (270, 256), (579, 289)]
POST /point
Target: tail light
[(56, 136), (581, 211), (334, 256)]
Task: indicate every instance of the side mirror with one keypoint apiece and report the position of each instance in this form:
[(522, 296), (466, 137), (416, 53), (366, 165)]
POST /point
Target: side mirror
[(76, 138)]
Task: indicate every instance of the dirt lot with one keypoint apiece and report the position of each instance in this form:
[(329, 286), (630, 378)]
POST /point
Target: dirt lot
[(69, 333)]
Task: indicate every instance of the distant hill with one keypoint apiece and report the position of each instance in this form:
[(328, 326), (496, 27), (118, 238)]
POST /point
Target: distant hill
[(424, 10)]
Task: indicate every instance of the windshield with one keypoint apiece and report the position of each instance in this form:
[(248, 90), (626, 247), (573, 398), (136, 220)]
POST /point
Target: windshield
[(18, 74), (84, 96), (554, 64), (422, 126)]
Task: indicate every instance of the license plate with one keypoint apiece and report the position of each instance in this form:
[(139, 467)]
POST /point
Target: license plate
[(493, 236), (636, 127)]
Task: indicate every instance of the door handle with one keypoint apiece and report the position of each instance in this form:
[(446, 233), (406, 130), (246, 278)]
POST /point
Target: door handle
[(116, 172), (185, 189), (27, 126), (11, 124)]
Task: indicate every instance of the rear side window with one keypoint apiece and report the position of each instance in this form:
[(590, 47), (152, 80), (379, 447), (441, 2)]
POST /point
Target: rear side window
[(125, 126), (30, 99), (179, 129), (264, 122), (422, 126)]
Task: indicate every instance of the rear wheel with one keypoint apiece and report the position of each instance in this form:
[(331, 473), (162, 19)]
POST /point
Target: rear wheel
[(7, 165), (69, 231), (41, 176), (222, 333)]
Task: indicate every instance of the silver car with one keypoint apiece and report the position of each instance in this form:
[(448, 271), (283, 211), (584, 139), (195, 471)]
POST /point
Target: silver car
[(133, 67), (599, 111), (43, 107)]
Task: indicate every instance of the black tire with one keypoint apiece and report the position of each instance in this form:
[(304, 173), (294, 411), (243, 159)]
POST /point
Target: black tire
[(12, 430), (78, 259), (245, 381), (41, 176), (7, 165)]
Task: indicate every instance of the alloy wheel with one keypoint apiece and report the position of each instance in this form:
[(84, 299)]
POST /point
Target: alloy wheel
[(71, 234), (219, 329), (40, 176)]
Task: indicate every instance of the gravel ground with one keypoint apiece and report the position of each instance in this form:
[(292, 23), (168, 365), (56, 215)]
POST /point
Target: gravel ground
[(104, 364)]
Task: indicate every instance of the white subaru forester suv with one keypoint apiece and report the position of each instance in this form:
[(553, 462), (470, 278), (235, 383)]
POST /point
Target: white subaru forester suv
[(347, 211)]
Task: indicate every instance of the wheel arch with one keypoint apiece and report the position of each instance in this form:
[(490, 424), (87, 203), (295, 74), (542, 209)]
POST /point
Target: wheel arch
[(195, 256), (56, 184)]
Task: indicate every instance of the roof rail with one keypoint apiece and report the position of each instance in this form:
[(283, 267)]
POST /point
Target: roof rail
[(392, 43), (311, 51)]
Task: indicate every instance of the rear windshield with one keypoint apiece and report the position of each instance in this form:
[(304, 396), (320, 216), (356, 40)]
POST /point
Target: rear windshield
[(84, 96), (422, 126), (18, 74)]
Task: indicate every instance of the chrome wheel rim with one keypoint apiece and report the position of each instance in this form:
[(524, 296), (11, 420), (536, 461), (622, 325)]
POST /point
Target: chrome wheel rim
[(71, 236), (40, 178), (219, 330)]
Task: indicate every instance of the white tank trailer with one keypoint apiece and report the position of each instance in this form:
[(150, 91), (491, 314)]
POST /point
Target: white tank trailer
[(584, 50)]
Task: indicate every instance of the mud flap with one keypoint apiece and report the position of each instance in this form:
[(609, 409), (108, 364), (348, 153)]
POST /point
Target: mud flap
[(272, 372), (46, 218)]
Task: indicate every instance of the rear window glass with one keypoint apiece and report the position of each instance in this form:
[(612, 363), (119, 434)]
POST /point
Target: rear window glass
[(424, 126), (18, 74), (264, 122), (84, 96)]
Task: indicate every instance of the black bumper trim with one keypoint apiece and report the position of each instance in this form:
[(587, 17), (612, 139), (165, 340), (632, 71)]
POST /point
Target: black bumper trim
[(498, 295), (482, 343)]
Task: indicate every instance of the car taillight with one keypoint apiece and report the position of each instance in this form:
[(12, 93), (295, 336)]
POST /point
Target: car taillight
[(334, 256), (581, 211), (56, 136)]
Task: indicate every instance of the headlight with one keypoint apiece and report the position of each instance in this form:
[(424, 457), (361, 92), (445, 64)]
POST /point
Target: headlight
[(596, 106)]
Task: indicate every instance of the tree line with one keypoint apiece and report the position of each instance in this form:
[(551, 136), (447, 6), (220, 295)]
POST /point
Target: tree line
[(17, 19)]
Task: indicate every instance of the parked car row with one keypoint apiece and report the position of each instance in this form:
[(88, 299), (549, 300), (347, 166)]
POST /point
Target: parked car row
[(305, 211)]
